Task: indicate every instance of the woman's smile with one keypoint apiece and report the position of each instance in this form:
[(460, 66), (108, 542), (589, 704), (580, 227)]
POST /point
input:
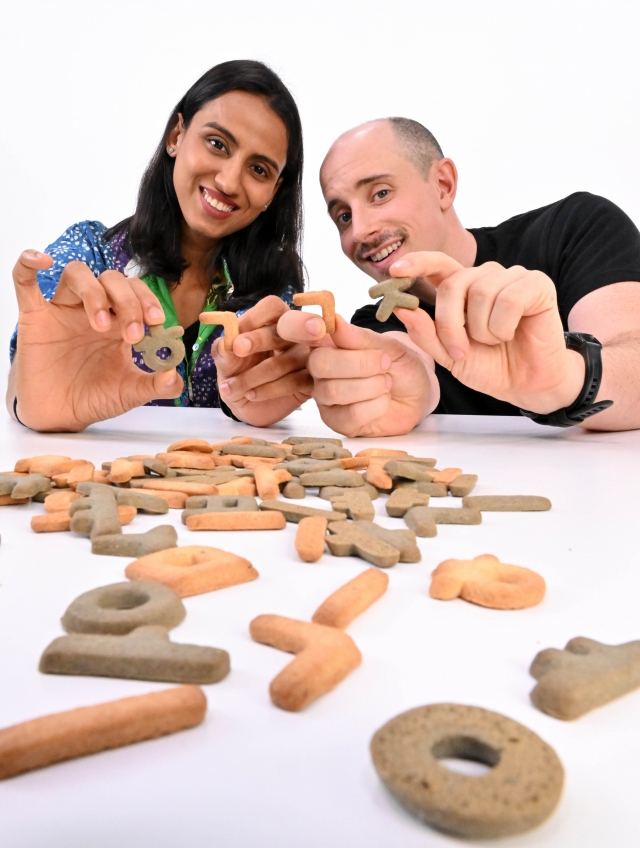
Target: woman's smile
[(216, 204)]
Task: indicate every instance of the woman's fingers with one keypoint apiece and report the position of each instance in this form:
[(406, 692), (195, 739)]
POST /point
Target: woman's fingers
[(297, 383), (25, 278), (152, 310), (259, 341), (140, 387), (235, 387), (126, 304)]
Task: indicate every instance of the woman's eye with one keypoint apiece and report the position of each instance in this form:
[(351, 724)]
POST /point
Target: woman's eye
[(215, 142), (260, 171), (382, 193)]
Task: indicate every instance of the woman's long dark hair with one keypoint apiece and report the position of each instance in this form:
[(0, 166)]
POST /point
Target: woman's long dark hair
[(264, 257)]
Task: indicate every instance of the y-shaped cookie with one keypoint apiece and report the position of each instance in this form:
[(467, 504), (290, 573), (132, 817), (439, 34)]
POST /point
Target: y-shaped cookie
[(160, 337), (392, 292), (326, 300), (229, 321)]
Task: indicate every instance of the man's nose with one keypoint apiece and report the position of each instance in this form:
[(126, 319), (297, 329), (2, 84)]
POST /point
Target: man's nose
[(364, 225)]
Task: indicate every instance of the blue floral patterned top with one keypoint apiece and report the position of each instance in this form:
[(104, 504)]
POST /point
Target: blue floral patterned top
[(85, 242)]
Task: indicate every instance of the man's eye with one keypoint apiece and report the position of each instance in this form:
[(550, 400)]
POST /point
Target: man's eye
[(382, 193), (344, 218)]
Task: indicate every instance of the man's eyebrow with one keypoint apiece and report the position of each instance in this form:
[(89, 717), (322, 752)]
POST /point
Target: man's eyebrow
[(233, 140)]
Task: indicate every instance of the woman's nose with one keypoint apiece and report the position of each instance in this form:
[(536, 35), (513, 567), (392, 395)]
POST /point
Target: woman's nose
[(228, 177)]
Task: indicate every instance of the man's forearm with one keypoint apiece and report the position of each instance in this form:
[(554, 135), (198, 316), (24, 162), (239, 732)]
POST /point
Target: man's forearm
[(621, 384)]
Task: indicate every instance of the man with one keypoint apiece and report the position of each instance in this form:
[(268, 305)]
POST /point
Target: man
[(495, 302)]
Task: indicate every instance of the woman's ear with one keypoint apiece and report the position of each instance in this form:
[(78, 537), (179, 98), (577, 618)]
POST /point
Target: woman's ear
[(175, 136)]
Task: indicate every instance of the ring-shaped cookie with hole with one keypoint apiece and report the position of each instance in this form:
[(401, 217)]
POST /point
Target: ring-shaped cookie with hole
[(520, 791), (159, 338)]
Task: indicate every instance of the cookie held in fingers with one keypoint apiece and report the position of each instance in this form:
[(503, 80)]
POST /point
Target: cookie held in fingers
[(161, 338)]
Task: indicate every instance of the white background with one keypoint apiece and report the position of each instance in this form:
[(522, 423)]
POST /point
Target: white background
[(532, 100)]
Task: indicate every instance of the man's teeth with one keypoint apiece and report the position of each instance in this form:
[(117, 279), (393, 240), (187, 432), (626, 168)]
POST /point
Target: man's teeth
[(385, 252), (216, 203)]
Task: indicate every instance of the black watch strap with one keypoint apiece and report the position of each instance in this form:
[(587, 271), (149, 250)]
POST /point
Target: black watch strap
[(583, 407)]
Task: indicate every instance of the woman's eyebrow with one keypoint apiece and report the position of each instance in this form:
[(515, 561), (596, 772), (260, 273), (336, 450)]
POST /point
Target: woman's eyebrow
[(233, 140)]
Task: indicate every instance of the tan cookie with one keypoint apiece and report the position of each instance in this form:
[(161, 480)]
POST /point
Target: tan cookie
[(122, 470), (88, 730), (507, 503), (196, 445), (294, 490), (267, 483), (585, 675), (378, 477), (236, 521), (311, 537), (60, 501), (352, 599), (381, 452), (294, 512), (48, 465), (520, 791), (435, 490), (236, 449), (356, 503), (353, 540), (158, 338), (192, 570), (187, 459), (175, 484), (242, 486), (229, 320), (326, 300), (410, 471), (392, 294), (328, 492), (462, 485), (488, 582), (400, 501), (423, 519), (175, 500), (325, 656), (302, 440)]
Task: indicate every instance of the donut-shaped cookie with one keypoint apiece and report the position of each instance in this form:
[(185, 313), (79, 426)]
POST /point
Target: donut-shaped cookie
[(158, 338), (521, 790), (121, 607)]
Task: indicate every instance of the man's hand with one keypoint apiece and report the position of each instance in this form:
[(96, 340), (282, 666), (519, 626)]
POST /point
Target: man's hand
[(265, 377), (73, 365), (365, 383), (498, 331)]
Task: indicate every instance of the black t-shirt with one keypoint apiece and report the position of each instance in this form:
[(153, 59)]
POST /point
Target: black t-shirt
[(583, 242)]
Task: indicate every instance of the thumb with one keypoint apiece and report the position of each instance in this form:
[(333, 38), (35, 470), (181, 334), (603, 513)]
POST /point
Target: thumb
[(161, 385), (25, 278), (422, 331)]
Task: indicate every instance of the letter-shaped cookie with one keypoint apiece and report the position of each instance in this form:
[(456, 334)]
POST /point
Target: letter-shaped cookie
[(192, 570), (145, 653), (311, 536), (507, 503), (352, 599), (135, 544), (326, 300), (487, 582), (325, 656), (144, 503), (409, 470), (585, 675), (334, 477), (294, 512), (200, 504), (520, 791), (363, 539), (356, 503), (158, 338), (392, 292), (401, 500), (24, 487), (87, 730), (97, 514), (229, 321)]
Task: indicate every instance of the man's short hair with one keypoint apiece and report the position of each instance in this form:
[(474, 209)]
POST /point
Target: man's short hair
[(420, 145)]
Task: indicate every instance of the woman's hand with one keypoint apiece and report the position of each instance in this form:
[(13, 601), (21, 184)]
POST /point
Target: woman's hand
[(73, 364), (265, 377)]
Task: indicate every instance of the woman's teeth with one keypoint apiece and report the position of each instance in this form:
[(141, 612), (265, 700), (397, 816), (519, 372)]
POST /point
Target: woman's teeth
[(216, 203), (386, 251)]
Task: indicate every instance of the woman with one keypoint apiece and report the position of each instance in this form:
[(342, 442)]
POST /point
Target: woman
[(217, 226)]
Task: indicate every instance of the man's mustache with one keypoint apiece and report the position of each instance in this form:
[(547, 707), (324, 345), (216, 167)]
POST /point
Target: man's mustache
[(371, 246)]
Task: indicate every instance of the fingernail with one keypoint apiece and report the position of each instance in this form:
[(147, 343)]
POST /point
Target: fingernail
[(242, 346), (388, 380), (134, 332), (250, 395), (102, 318), (225, 388), (170, 379), (156, 314), (401, 263), (313, 326), (385, 362), (456, 353)]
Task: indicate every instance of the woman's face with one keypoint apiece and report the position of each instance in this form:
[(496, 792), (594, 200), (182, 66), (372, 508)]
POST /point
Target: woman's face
[(229, 163)]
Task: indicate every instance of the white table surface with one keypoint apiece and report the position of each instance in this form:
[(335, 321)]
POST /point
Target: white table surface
[(253, 775)]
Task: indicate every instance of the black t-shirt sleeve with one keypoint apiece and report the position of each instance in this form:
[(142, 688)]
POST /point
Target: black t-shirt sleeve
[(592, 243)]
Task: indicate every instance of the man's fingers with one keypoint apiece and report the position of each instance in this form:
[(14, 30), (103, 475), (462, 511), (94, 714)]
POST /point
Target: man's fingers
[(422, 331), (353, 420), (345, 392), (432, 264), (303, 328), (483, 297), (335, 364), (25, 278), (295, 383)]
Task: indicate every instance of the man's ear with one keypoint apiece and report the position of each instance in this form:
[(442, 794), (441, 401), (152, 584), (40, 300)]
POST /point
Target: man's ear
[(175, 136), (445, 176)]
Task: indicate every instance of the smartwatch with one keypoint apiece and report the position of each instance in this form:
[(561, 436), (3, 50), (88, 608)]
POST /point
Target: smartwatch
[(583, 406)]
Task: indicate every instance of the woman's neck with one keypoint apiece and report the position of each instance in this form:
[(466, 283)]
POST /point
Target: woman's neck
[(190, 295)]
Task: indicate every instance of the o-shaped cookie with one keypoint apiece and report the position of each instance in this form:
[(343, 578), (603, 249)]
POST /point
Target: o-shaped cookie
[(158, 338), (521, 790)]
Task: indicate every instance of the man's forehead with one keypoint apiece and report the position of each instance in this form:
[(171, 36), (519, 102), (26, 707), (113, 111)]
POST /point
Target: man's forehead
[(358, 156)]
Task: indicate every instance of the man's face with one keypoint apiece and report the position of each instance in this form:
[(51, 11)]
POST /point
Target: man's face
[(381, 204)]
